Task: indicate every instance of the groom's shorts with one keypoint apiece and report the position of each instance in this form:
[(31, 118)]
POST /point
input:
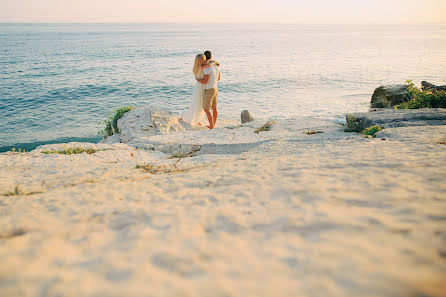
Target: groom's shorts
[(210, 98)]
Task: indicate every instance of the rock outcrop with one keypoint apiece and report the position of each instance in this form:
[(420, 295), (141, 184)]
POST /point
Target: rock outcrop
[(387, 96), (389, 118), (246, 117), (161, 131), (145, 121), (428, 86)]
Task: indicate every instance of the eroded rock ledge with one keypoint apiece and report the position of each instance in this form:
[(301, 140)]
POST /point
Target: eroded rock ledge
[(390, 118), (151, 129)]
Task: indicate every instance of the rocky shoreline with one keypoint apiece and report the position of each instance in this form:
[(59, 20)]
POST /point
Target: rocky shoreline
[(295, 207)]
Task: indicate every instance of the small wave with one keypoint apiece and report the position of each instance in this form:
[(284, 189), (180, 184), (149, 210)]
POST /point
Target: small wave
[(357, 95)]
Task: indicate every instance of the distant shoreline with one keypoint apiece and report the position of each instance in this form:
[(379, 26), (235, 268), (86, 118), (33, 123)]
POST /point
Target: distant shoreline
[(232, 23)]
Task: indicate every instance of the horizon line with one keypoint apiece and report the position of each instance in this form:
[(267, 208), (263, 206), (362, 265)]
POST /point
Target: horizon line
[(225, 22)]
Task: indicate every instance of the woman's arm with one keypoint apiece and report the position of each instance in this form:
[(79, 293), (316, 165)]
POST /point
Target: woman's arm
[(210, 63), (203, 80)]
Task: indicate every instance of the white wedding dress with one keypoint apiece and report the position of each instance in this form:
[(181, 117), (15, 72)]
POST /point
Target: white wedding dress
[(195, 112)]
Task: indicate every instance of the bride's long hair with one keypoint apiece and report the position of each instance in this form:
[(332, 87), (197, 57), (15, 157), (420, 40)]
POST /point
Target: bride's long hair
[(197, 70)]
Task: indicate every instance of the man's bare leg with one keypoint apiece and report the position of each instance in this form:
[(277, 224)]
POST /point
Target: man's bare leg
[(215, 114), (214, 110), (210, 119)]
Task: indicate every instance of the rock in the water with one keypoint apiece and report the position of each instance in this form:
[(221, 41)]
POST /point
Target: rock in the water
[(246, 117), (428, 86), (387, 96), (145, 121), (388, 118)]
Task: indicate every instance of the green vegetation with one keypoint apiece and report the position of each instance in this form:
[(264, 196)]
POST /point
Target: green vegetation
[(351, 124), (265, 127), (112, 121), (73, 151), (18, 150), (17, 191), (371, 131), (423, 99)]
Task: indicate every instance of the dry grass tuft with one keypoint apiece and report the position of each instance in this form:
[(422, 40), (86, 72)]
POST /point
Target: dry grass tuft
[(17, 150), (265, 127), (157, 169), (180, 156), (312, 132), (73, 151)]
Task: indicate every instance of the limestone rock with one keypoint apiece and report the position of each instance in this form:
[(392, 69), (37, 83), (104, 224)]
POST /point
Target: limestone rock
[(388, 118), (115, 138), (146, 121), (246, 117), (387, 96), (428, 86)]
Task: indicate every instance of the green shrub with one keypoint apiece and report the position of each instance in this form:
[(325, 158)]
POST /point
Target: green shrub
[(371, 131), (351, 124), (112, 121), (423, 99)]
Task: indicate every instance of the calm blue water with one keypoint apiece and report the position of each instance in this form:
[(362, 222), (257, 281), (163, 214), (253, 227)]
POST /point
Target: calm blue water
[(58, 81)]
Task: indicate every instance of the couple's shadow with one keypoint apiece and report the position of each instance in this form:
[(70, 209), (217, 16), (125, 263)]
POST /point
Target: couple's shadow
[(189, 127)]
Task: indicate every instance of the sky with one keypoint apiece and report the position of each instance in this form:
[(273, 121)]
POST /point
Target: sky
[(255, 11)]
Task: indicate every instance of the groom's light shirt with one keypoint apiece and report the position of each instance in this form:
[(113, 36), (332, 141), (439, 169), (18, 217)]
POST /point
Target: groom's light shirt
[(213, 73)]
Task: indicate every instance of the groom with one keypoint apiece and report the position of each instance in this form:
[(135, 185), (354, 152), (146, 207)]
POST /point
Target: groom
[(210, 79)]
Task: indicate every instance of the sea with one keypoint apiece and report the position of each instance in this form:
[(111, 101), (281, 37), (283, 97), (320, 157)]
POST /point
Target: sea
[(59, 82)]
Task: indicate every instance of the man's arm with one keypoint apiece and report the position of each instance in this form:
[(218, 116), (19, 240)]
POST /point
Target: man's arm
[(219, 76), (204, 80)]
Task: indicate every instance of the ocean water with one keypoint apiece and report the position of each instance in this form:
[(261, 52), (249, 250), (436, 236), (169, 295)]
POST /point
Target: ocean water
[(59, 81)]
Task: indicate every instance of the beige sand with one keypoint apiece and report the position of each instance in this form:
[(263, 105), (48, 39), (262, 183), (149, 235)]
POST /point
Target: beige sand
[(285, 214)]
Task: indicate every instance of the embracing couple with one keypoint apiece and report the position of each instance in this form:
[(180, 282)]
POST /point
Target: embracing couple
[(204, 95)]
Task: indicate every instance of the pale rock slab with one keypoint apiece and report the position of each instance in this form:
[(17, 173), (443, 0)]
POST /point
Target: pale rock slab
[(145, 121)]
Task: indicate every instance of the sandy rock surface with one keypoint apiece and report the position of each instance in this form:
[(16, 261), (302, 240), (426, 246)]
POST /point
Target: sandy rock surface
[(304, 209)]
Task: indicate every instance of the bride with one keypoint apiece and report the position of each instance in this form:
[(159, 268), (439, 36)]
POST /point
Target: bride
[(195, 112)]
